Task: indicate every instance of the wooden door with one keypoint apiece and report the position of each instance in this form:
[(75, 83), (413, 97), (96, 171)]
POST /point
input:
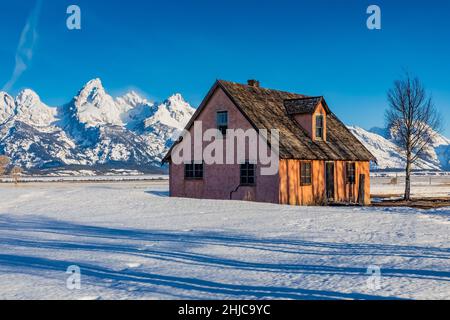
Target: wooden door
[(361, 189), (329, 178)]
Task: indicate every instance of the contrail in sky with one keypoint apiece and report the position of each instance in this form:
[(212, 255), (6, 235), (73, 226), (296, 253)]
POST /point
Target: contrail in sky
[(24, 52)]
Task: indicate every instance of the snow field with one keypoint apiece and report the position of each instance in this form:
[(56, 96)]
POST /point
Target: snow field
[(132, 241)]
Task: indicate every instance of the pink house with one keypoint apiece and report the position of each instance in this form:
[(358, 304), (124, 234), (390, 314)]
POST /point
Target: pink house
[(320, 161)]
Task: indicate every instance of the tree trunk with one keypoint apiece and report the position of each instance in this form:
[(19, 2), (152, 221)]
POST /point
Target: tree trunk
[(408, 179)]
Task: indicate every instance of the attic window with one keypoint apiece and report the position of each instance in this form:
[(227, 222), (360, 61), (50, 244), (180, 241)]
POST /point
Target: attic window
[(222, 122), (319, 127)]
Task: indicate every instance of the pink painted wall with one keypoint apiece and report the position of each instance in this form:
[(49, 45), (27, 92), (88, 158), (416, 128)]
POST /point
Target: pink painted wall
[(305, 121), (220, 180), (308, 121)]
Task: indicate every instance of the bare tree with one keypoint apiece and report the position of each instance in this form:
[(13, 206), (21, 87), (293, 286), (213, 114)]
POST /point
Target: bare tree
[(15, 174), (4, 162), (413, 120)]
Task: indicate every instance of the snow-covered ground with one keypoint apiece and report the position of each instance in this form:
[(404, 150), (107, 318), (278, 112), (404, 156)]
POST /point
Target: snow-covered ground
[(132, 241), (421, 186), (87, 178)]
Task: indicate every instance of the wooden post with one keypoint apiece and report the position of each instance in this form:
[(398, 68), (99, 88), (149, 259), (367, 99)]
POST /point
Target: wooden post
[(361, 189)]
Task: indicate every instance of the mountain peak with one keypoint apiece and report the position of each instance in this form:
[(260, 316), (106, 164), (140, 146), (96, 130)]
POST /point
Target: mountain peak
[(132, 98), (4, 94), (92, 90), (94, 83), (133, 94), (176, 98), (27, 98), (176, 103), (94, 107), (30, 110), (6, 99), (7, 106)]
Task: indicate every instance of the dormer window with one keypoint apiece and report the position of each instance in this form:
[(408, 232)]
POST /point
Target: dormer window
[(319, 127), (222, 122), (310, 113)]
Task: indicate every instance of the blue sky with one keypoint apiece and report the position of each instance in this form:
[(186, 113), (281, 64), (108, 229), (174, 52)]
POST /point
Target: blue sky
[(162, 47)]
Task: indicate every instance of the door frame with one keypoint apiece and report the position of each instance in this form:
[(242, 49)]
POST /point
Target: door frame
[(332, 198)]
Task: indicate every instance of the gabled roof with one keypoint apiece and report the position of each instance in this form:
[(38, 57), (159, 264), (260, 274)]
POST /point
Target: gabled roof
[(307, 105), (265, 109)]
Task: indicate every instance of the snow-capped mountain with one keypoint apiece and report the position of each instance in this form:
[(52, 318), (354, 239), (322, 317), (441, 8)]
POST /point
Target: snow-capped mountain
[(93, 107), (30, 110), (379, 141), (94, 131), (100, 133), (7, 107)]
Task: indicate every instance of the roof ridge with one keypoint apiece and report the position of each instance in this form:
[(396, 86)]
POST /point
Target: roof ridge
[(263, 88), (305, 98)]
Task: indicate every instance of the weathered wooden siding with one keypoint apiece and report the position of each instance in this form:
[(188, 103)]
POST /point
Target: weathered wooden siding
[(340, 184), (293, 193), (363, 168)]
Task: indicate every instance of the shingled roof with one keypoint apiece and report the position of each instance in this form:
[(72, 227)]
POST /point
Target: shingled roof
[(266, 109), (305, 105)]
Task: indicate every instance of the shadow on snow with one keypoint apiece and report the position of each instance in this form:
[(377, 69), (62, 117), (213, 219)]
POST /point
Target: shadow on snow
[(98, 239)]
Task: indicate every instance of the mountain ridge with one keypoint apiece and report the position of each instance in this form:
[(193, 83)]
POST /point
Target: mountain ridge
[(380, 142), (94, 131), (100, 133)]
